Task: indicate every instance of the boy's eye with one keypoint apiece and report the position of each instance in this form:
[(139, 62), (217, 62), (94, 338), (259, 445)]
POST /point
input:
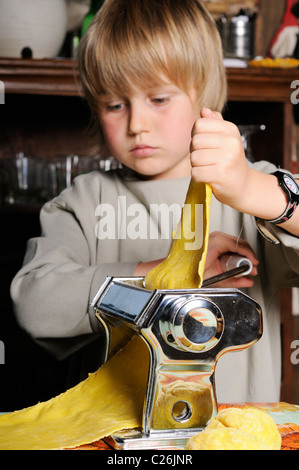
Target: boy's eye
[(115, 107), (160, 99)]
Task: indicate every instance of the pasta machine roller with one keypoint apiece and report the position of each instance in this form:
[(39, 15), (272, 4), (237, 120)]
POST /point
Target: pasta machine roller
[(186, 331)]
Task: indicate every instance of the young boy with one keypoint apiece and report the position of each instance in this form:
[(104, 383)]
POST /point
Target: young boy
[(153, 74)]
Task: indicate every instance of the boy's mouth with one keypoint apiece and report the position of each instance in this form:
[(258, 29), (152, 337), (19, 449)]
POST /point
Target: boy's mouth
[(142, 150)]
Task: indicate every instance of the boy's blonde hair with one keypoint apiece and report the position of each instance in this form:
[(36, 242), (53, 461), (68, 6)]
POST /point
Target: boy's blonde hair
[(136, 42)]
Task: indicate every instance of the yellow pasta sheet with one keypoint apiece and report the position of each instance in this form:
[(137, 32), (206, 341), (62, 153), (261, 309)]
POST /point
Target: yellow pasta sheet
[(109, 400), (112, 398), (184, 266)]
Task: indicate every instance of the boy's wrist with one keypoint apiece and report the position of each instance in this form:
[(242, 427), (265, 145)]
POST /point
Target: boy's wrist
[(262, 197)]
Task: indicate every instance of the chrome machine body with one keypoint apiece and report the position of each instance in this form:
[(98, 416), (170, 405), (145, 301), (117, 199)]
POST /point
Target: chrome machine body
[(186, 332)]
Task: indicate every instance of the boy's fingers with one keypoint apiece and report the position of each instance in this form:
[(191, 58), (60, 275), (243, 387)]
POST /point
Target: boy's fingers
[(208, 113), (212, 122)]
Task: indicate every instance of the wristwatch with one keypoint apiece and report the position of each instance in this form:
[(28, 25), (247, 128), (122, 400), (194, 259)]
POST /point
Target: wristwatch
[(291, 190)]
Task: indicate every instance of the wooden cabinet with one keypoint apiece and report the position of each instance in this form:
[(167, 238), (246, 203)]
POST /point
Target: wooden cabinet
[(44, 114), (45, 111), (263, 96)]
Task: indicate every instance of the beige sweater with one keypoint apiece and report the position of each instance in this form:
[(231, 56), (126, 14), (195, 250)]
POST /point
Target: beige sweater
[(83, 241)]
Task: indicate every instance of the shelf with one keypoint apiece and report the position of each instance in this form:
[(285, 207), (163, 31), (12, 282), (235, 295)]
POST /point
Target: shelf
[(60, 77), (40, 77), (261, 84), (257, 88)]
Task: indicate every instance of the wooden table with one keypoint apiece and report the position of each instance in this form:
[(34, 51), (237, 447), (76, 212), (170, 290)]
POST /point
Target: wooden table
[(285, 415)]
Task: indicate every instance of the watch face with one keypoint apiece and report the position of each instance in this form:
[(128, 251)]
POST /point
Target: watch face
[(291, 184)]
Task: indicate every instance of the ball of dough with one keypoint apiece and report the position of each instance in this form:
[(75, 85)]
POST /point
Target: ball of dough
[(222, 438), (238, 429), (254, 421)]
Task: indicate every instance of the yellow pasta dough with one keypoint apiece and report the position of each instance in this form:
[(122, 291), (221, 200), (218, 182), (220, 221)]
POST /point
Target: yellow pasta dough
[(183, 268), (224, 438), (254, 421), (246, 428), (112, 398), (109, 400)]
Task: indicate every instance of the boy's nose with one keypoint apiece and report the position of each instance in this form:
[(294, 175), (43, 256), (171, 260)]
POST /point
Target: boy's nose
[(138, 120)]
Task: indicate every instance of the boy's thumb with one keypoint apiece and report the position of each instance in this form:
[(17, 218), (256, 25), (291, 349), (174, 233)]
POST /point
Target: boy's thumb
[(208, 113)]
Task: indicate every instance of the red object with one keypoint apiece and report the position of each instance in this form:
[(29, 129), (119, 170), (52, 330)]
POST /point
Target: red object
[(289, 19)]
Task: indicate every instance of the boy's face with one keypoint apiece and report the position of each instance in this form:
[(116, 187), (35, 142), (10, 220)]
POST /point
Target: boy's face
[(149, 131)]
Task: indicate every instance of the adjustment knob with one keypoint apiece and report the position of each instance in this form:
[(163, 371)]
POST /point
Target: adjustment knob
[(193, 325)]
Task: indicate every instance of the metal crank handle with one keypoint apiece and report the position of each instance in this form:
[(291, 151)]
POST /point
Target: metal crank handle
[(237, 266)]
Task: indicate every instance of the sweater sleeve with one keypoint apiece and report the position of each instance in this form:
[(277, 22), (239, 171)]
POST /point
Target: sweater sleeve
[(52, 292)]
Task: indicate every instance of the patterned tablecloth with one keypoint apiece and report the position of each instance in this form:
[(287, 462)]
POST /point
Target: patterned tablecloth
[(285, 415)]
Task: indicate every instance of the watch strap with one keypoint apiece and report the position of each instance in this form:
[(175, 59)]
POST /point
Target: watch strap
[(291, 195)]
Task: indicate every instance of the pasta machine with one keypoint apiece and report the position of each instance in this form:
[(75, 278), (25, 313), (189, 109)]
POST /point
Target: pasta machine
[(186, 332)]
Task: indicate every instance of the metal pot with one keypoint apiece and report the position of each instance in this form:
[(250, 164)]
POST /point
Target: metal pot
[(238, 36)]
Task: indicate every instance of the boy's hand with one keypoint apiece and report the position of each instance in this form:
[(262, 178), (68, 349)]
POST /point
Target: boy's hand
[(142, 269), (218, 158), (221, 244)]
